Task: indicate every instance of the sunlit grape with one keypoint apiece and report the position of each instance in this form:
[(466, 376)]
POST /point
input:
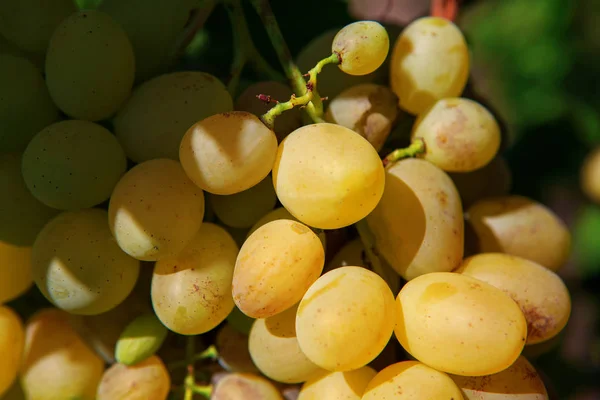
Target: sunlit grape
[(362, 47)]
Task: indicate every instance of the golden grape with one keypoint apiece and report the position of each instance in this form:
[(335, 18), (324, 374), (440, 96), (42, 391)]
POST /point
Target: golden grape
[(362, 47), (349, 385), (244, 386), (282, 213)]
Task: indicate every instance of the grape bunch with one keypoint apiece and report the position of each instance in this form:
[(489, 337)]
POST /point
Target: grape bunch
[(165, 234)]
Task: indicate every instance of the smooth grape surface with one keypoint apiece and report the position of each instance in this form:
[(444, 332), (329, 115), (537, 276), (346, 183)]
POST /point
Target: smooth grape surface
[(362, 46), (348, 385), (244, 386), (282, 213), (12, 337), (140, 339)]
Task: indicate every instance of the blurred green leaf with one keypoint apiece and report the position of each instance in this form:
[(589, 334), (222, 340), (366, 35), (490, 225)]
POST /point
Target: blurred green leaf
[(88, 4)]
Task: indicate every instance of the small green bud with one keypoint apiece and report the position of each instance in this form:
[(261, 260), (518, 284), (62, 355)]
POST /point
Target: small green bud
[(140, 339)]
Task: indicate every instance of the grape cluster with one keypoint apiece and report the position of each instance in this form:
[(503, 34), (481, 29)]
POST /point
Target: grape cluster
[(148, 205)]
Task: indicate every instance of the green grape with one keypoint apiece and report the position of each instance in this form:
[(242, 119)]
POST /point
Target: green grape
[(411, 380), (348, 385), (12, 339), (140, 339), (327, 176), (73, 164), (57, 364), (154, 119), (421, 209), (244, 209), (353, 298), (233, 350), (274, 348), (244, 386), (282, 213), (361, 46), (240, 321), (430, 61), (147, 380), (25, 104), (78, 266), (89, 66), (542, 295), (368, 109), (459, 325), (155, 210), (191, 292), (29, 23), (275, 267), (590, 175), (15, 271)]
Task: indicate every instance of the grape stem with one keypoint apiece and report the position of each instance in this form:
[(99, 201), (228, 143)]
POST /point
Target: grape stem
[(190, 379), (269, 117), (416, 147), (210, 353)]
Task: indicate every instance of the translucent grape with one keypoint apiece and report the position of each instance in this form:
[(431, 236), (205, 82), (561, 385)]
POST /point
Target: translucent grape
[(327, 176), (348, 385), (362, 47), (57, 364), (228, 153), (430, 61), (147, 380), (590, 175), (244, 387), (244, 209), (25, 104), (191, 292), (275, 267), (233, 350), (282, 213), (460, 135), (411, 380), (542, 236), (420, 208), (154, 119), (458, 324), (140, 339), (78, 266), (368, 109), (89, 66), (275, 350), (353, 298), (73, 164), (11, 347), (155, 210)]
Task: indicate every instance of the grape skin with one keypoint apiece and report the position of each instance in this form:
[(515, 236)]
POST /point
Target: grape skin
[(11, 346), (348, 385), (244, 386), (282, 213), (362, 47)]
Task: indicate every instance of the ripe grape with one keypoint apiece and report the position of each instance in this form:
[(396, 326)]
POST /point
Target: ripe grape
[(458, 324), (228, 152), (368, 109), (89, 65), (411, 380), (420, 208), (147, 380), (12, 339), (282, 213), (362, 47), (78, 266), (590, 175), (348, 385), (275, 267), (327, 176), (353, 298), (542, 236), (154, 119), (430, 61), (191, 292), (460, 135), (493, 180), (244, 386), (73, 164), (275, 350), (155, 210), (25, 104), (541, 294), (140, 339), (57, 364), (234, 355)]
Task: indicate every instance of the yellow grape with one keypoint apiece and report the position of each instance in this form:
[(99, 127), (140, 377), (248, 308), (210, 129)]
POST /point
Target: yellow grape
[(154, 119), (411, 380), (15, 271), (57, 364), (541, 293), (362, 47), (274, 348), (12, 339), (348, 385), (590, 175), (228, 152), (79, 267), (542, 236), (327, 176), (89, 65), (368, 109), (191, 292), (430, 61), (420, 209), (155, 210), (460, 135), (458, 324), (275, 267), (282, 213), (73, 164), (244, 386), (25, 104), (146, 380), (520, 381), (234, 355), (244, 209), (345, 319)]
